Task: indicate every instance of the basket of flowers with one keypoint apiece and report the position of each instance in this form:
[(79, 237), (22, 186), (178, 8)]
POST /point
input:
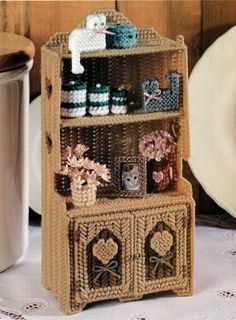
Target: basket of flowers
[(85, 175)]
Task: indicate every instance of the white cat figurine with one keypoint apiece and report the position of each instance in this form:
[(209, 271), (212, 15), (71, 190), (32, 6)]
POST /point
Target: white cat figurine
[(91, 38), (130, 179)]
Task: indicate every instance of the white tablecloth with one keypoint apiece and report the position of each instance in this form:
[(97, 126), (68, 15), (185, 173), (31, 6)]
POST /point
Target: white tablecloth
[(215, 271)]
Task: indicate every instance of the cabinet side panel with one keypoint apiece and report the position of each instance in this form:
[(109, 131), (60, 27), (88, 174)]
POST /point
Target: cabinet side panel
[(178, 61), (185, 117), (46, 261), (55, 247), (190, 235), (190, 225)]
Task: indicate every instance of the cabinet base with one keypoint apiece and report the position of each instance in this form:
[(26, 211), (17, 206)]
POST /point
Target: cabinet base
[(180, 292), (79, 308), (127, 299), (183, 292)]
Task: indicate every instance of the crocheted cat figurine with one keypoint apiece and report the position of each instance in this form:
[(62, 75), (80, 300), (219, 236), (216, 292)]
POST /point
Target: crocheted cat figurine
[(130, 179), (91, 38)]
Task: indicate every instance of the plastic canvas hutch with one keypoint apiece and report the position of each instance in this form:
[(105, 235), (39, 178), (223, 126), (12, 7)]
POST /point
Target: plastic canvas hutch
[(146, 260)]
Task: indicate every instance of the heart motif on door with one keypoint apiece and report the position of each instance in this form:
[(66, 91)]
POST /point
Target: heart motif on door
[(161, 242), (105, 250)]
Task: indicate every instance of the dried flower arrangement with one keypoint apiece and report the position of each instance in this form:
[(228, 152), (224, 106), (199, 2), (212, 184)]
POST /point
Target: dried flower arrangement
[(85, 175), (157, 145), (160, 147)]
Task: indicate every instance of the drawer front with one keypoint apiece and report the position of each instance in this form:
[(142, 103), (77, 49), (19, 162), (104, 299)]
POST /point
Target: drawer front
[(161, 247), (99, 248)]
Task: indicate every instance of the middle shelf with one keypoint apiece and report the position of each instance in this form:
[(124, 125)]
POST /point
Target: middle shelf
[(90, 121), (107, 205)]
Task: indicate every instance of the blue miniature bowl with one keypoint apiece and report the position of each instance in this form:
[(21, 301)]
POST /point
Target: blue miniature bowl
[(125, 35)]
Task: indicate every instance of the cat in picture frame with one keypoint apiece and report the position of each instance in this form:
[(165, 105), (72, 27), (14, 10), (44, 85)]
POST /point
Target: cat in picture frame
[(130, 176)]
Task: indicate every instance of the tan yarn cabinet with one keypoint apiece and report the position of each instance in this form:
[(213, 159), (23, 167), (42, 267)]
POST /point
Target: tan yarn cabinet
[(120, 247)]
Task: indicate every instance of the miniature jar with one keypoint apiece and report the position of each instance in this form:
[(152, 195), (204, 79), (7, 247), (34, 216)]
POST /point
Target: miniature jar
[(73, 99), (119, 101), (124, 35), (98, 97)]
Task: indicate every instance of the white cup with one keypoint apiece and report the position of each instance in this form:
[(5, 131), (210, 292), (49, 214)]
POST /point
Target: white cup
[(14, 177)]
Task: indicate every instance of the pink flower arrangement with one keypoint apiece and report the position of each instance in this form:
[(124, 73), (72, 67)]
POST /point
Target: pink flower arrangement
[(157, 145), (83, 170)]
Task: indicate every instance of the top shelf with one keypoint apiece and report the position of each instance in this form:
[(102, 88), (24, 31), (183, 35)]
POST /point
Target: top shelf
[(108, 53), (89, 121), (148, 41)]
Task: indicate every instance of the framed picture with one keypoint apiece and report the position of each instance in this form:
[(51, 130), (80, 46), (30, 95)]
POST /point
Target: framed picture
[(130, 176)]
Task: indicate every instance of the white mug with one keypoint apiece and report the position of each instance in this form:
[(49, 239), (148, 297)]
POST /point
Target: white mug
[(14, 178)]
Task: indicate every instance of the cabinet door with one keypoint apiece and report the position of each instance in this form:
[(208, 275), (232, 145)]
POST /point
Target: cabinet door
[(161, 249), (100, 248)]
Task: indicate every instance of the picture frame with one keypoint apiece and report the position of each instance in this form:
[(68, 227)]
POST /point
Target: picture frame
[(130, 176)]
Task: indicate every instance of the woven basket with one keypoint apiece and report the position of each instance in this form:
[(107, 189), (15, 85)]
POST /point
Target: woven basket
[(85, 196)]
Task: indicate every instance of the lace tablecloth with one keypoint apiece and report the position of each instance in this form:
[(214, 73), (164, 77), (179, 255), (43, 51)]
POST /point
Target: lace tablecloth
[(22, 296)]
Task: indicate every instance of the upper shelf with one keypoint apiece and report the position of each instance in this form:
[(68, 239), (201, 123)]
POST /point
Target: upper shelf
[(148, 41), (89, 121)]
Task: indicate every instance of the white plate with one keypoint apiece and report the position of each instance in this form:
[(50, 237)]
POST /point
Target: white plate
[(35, 154), (212, 94)]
